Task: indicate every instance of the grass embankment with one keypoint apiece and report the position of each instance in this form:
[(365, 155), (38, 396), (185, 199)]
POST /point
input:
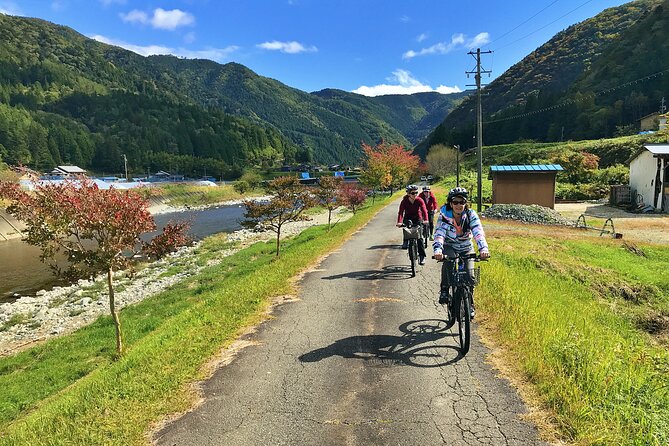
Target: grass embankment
[(190, 195), (573, 314), (69, 391)]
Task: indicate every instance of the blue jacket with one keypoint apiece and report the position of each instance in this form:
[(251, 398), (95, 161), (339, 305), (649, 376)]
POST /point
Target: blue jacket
[(445, 232)]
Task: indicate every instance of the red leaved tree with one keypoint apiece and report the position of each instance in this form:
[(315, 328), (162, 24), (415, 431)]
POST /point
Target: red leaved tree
[(328, 194), (388, 166), (289, 201), (352, 196), (96, 230)]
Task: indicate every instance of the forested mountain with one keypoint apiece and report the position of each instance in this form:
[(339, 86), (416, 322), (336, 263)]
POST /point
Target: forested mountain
[(592, 80), (67, 99)]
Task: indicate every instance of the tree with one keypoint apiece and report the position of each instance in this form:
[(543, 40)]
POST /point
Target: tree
[(96, 230), (328, 194), (441, 160), (289, 201), (388, 166), (351, 196)]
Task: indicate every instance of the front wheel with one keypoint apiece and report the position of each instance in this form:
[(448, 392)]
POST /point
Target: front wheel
[(463, 303)]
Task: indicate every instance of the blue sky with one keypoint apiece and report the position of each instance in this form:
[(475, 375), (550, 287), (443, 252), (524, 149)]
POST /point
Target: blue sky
[(367, 46)]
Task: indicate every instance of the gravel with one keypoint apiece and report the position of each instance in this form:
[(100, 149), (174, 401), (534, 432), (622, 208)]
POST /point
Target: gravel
[(533, 214)]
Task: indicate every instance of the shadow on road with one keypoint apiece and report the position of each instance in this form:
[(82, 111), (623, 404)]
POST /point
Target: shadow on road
[(390, 272), (416, 347), (384, 247)]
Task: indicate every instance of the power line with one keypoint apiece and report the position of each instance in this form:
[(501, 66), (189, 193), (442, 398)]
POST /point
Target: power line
[(545, 26), (522, 23), (585, 97)]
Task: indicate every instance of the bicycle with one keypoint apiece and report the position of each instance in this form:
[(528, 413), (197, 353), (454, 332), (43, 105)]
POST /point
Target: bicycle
[(459, 306), (412, 233)]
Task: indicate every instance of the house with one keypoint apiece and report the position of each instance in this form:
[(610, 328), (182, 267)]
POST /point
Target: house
[(649, 176), (663, 121), (649, 122), (67, 171), (524, 184)]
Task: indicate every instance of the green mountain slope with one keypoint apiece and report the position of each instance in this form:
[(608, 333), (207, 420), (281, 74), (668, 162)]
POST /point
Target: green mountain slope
[(563, 90)]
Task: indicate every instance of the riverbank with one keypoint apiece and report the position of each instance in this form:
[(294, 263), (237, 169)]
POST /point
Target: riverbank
[(62, 310)]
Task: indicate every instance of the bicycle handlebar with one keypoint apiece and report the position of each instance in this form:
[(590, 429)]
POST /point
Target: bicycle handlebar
[(476, 257)]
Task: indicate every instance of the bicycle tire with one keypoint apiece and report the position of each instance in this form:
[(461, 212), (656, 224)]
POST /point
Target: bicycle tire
[(464, 320), (412, 256), (450, 312)]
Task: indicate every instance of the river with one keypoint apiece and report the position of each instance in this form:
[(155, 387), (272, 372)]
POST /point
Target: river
[(21, 271)]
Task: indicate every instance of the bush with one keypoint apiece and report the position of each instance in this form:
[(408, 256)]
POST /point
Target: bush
[(617, 174), (583, 191), (241, 186)]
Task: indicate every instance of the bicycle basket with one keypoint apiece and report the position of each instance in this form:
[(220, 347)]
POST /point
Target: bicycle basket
[(412, 232)]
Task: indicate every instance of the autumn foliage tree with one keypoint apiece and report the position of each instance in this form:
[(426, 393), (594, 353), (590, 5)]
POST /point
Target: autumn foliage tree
[(289, 201), (388, 166), (328, 194), (96, 230), (352, 196)]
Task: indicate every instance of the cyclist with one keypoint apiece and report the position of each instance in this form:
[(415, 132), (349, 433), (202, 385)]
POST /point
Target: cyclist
[(456, 226), (431, 204), (413, 208)]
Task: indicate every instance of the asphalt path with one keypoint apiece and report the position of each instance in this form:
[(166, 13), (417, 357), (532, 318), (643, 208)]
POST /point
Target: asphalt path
[(362, 357)]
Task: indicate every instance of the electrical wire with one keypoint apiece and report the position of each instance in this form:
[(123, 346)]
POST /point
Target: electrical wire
[(522, 23)]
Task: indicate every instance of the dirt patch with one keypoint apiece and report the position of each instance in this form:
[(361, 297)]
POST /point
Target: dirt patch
[(647, 228)]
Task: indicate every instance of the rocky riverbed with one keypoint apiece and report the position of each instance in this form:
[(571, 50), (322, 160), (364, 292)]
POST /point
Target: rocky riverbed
[(62, 310)]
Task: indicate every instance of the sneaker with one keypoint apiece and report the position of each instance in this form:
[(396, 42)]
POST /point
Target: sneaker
[(444, 297), (405, 245), (472, 313), (431, 238), (421, 261)]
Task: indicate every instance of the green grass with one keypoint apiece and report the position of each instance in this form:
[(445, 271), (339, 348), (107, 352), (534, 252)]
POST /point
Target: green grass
[(191, 195), (70, 390), (551, 304), (15, 319)]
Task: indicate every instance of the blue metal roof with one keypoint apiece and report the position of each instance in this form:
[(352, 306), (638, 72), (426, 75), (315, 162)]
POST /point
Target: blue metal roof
[(527, 168)]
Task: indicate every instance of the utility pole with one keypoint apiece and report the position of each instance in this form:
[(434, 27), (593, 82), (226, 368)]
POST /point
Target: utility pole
[(479, 119), (125, 165), (663, 108)]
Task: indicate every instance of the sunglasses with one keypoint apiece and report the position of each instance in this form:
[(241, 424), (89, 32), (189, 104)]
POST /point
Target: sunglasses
[(413, 193), (458, 202)]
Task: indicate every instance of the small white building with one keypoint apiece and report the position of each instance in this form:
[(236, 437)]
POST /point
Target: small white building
[(68, 171), (649, 176)]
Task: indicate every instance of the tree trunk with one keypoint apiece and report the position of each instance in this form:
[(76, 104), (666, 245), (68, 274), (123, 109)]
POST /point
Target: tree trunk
[(114, 313), (278, 240), (329, 217)]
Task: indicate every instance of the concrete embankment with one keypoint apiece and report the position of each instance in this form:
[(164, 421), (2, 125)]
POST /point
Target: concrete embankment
[(10, 228)]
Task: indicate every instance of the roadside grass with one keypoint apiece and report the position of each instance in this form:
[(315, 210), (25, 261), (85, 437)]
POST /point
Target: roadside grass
[(71, 391), (555, 306)]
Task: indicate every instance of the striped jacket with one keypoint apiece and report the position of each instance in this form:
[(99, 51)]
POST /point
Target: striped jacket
[(445, 232)]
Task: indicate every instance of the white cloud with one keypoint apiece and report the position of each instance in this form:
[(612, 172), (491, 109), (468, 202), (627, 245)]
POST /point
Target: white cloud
[(9, 8), (457, 41), (161, 19), (135, 16), (421, 37), (405, 19), (171, 20), (216, 54), (287, 47), (403, 83)]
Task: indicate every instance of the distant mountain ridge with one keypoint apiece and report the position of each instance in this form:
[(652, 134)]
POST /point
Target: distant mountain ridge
[(550, 94), (163, 109)]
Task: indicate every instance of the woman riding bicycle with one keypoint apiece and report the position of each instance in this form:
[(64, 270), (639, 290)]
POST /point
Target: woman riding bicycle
[(413, 208), (456, 226), (431, 203)]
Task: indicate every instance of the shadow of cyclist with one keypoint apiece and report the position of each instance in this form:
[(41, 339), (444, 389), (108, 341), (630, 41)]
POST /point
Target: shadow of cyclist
[(390, 272), (415, 347)]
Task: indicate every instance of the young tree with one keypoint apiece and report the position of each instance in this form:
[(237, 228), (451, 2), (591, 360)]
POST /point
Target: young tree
[(96, 230), (328, 194), (388, 165), (289, 201), (352, 196), (441, 160)]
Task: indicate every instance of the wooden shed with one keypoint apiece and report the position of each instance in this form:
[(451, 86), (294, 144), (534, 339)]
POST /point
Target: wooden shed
[(524, 184)]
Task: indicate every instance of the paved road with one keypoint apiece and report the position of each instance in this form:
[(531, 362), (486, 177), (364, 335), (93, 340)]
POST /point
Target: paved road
[(362, 358)]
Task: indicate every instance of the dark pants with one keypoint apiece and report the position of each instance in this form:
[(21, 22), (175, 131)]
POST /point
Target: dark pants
[(446, 266), (430, 219)]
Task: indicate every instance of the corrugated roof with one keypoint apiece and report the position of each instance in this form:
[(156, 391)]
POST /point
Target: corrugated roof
[(658, 149), (527, 168)]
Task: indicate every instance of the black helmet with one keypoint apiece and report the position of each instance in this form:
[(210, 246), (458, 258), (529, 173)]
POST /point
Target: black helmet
[(411, 188), (457, 191), (425, 188)]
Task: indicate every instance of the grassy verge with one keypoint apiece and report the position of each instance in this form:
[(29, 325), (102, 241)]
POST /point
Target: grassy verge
[(566, 309), (186, 194), (69, 391)]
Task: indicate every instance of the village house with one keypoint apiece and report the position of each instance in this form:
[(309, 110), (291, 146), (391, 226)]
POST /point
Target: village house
[(649, 176), (524, 184)]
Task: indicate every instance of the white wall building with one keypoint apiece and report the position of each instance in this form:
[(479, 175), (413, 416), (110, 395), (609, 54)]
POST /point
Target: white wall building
[(649, 176)]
